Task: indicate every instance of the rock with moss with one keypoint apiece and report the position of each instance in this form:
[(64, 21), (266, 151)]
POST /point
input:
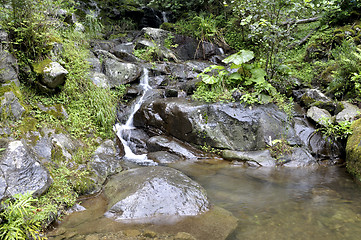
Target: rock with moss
[(10, 107), (308, 97), (52, 73), (353, 151), (21, 171)]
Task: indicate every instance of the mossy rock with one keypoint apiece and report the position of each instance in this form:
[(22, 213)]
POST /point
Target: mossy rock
[(329, 106), (327, 75), (353, 151), (28, 124), (307, 101), (40, 66), (167, 26)]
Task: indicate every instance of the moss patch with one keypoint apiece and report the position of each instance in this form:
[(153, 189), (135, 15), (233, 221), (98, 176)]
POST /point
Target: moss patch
[(353, 151), (40, 66)]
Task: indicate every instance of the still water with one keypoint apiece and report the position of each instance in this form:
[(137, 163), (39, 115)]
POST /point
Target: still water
[(269, 203)]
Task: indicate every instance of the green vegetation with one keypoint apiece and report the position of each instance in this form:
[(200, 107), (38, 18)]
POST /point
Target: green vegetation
[(335, 131), (19, 218)]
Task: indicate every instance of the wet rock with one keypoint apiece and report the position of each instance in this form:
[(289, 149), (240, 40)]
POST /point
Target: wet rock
[(137, 140), (257, 158), (21, 172), (314, 141), (10, 106), (320, 116), (349, 113), (172, 145), (120, 73), (163, 157), (151, 192), (105, 162), (228, 126), (54, 75), (9, 68), (299, 157)]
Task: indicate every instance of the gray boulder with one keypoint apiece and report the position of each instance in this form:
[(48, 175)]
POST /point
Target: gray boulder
[(120, 73), (54, 75), (154, 192), (228, 126), (105, 162), (100, 79), (8, 65), (319, 115), (349, 113), (21, 172), (11, 106), (164, 143)]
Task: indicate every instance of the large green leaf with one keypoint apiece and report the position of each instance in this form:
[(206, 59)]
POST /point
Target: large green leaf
[(209, 79), (258, 74), (239, 58)]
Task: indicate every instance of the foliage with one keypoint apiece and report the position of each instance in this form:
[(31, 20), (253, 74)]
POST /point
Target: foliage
[(179, 6), (341, 11), (335, 131), (268, 28), (347, 81), (148, 54), (246, 77), (203, 26), (30, 27), (279, 148), (19, 218)]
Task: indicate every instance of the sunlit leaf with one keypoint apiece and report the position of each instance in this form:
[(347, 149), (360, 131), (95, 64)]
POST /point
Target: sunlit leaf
[(239, 58)]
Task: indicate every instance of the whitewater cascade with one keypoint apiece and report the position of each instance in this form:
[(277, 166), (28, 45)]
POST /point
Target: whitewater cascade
[(125, 129)]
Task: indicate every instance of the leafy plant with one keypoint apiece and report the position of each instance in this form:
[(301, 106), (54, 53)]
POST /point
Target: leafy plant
[(279, 148), (335, 131), (19, 218), (248, 78)]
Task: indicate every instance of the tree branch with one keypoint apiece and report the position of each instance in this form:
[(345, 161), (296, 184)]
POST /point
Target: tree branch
[(301, 21)]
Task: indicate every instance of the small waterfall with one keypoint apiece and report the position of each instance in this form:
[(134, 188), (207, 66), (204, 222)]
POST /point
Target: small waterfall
[(164, 15), (221, 51), (121, 130)]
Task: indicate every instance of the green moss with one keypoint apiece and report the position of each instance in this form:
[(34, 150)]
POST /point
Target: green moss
[(307, 101), (353, 151), (329, 106), (27, 124), (40, 66)]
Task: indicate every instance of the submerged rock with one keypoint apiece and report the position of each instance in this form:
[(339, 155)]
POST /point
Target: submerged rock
[(154, 192)]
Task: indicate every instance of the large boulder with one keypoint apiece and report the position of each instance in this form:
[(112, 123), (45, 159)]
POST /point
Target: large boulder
[(222, 125), (154, 192), (21, 172), (353, 150)]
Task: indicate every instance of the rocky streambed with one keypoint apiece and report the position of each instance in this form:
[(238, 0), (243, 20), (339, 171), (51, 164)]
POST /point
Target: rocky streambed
[(229, 184)]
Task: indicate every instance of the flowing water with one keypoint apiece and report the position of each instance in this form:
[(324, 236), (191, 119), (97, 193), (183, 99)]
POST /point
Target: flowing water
[(125, 129), (269, 203)]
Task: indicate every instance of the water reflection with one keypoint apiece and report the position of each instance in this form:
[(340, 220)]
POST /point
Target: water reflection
[(270, 203)]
